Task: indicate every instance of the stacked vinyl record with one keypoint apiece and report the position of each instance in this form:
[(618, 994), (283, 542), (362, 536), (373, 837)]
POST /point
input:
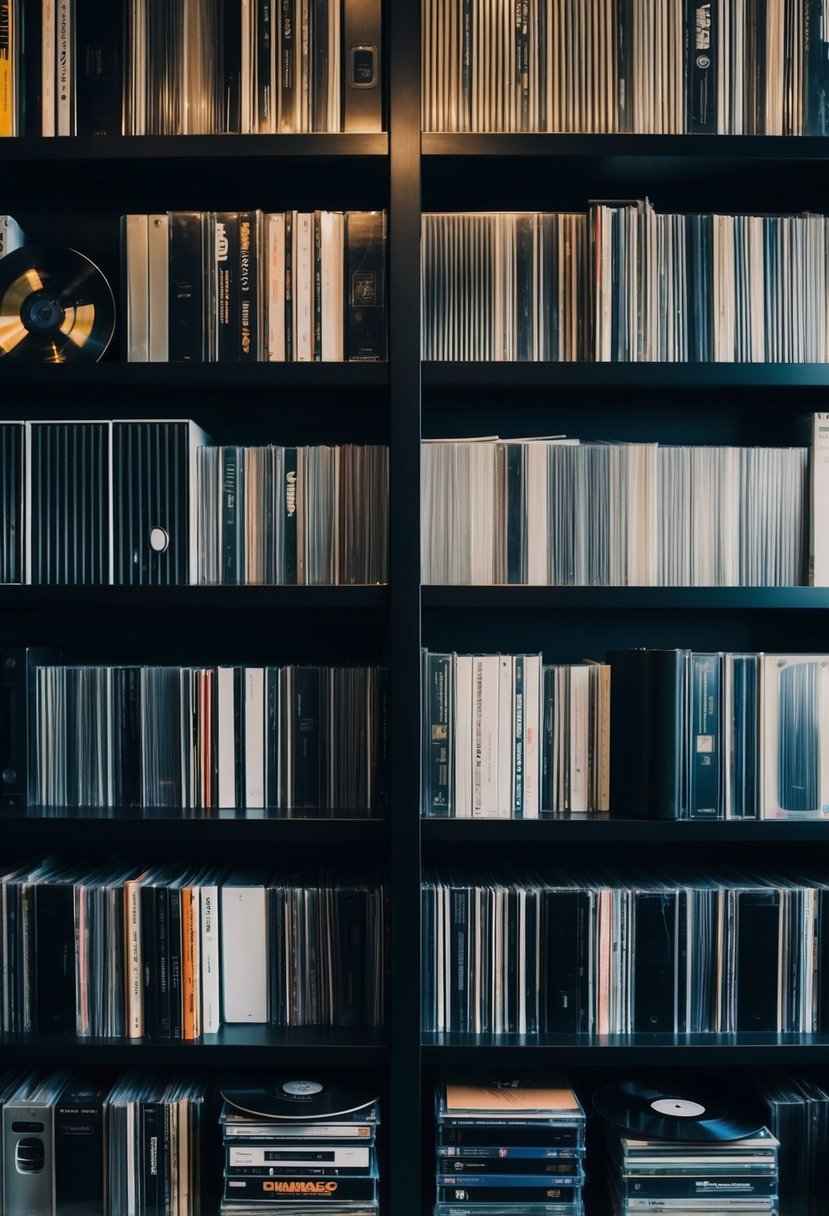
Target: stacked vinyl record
[(687, 1150), (509, 1150), (300, 1146)]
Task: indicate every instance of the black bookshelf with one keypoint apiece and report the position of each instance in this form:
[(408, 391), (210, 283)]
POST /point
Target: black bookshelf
[(406, 172)]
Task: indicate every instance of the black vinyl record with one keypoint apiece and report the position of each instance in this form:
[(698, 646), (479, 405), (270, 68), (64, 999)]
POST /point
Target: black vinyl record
[(300, 1100), (55, 306), (680, 1111)]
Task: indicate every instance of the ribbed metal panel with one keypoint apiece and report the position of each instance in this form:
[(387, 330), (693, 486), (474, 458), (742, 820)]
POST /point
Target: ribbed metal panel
[(70, 502), (151, 491)]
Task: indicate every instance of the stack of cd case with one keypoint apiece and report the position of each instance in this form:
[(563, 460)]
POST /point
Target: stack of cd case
[(298, 1146), (686, 1177), (505, 1149), (687, 1147)]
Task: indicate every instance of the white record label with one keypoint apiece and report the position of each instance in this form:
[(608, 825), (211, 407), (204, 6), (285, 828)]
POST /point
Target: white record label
[(680, 1108)]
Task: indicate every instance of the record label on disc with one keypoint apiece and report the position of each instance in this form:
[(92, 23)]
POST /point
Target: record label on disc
[(679, 1110)]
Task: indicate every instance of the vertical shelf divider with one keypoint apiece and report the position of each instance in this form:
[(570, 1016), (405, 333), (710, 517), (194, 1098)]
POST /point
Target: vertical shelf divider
[(403, 60)]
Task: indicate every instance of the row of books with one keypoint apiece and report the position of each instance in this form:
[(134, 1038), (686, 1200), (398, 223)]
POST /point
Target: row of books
[(562, 512), (174, 952), (506, 737), (153, 503), (315, 515), (649, 66), (711, 953), (190, 67), (625, 283), (245, 286), (292, 738)]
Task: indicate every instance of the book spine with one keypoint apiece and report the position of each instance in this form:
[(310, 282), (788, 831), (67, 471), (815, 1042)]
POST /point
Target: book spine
[(705, 744), (162, 930), (186, 288), (248, 293), (290, 506), (98, 69), (702, 43), (149, 961), (210, 981), (48, 71), (365, 309), (133, 961), (231, 557), (175, 964), (264, 89), (65, 67), (8, 69), (439, 731), (55, 960), (361, 66), (288, 91), (228, 308), (79, 1154)]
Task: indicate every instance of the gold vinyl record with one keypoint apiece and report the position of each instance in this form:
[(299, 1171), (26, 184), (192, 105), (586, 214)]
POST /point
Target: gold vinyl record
[(55, 307)]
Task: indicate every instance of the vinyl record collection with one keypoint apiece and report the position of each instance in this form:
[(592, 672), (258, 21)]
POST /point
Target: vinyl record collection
[(170, 952), (291, 737), (313, 515), (505, 737), (687, 1154), (625, 283), (189, 67), (560, 512), (299, 1146), (507, 1149), (702, 953), (649, 66), (151, 503), (245, 286)]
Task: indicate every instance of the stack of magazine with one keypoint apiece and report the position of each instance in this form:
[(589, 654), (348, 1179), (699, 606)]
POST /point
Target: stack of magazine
[(509, 1149), (299, 1146)]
